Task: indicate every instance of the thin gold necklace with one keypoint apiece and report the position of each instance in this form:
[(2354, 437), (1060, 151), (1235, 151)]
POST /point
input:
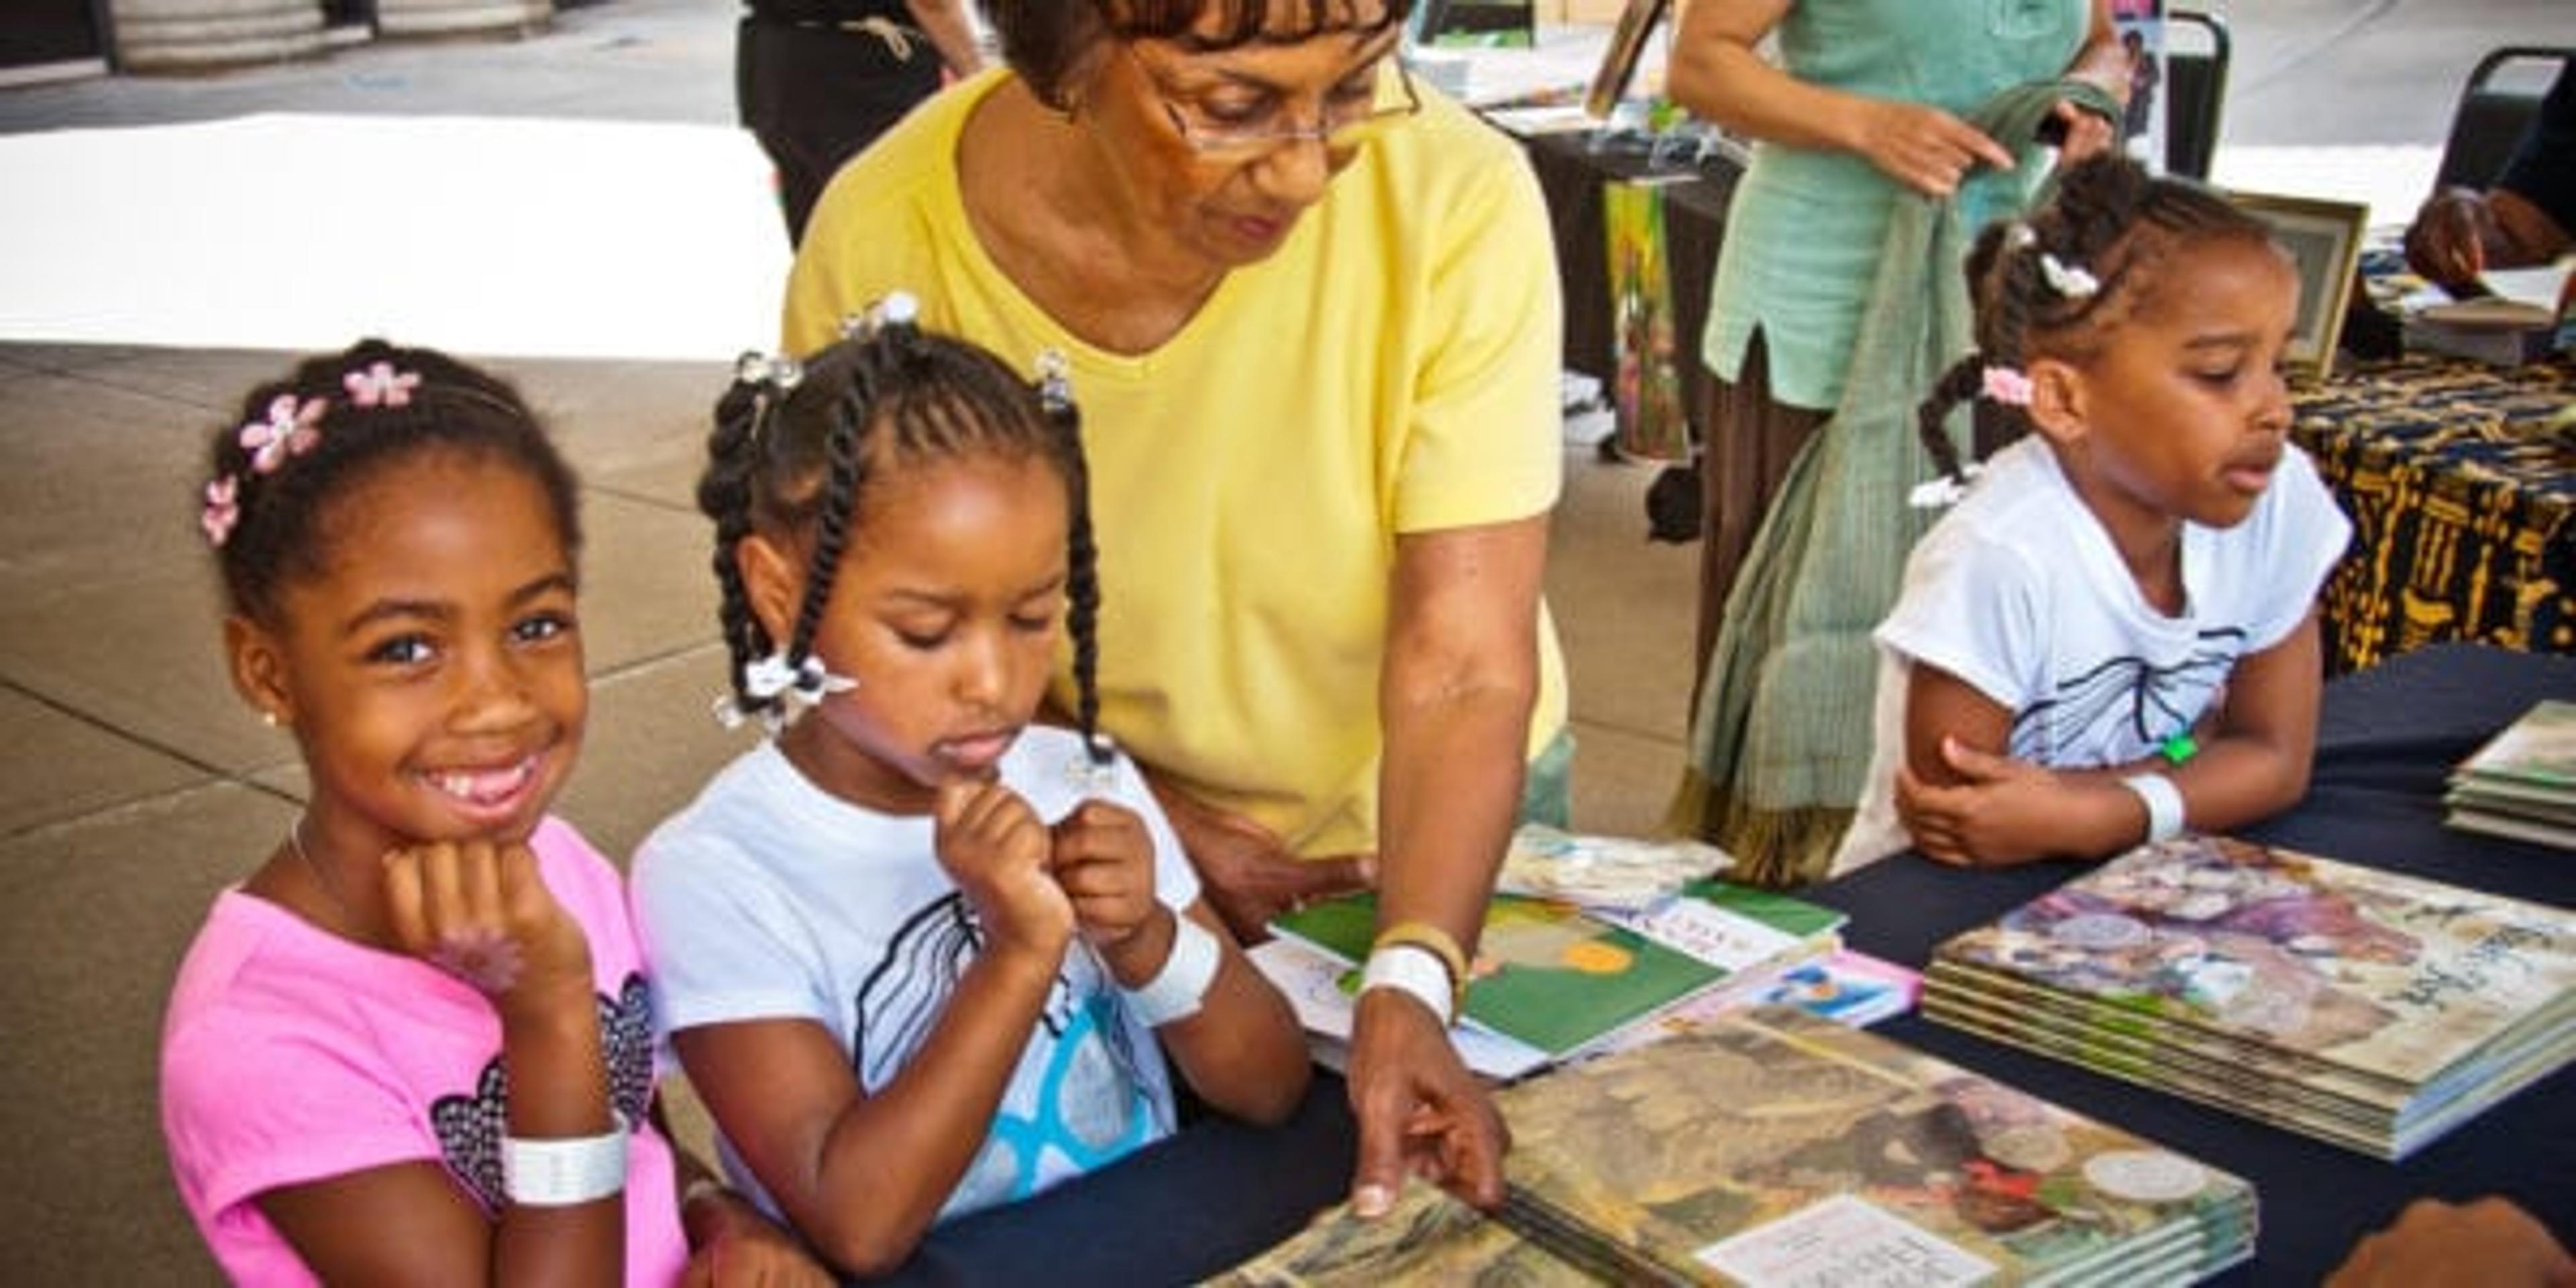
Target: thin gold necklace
[(331, 891)]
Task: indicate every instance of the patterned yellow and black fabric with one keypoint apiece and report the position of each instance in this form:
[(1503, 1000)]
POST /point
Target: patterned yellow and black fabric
[(2461, 482)]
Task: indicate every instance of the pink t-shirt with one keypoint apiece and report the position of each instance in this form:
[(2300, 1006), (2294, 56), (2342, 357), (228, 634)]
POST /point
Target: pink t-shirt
[(290, 1055)]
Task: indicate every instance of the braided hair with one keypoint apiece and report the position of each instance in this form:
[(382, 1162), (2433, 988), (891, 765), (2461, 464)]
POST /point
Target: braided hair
[(340, 420), (2058, 284), (795, 447)]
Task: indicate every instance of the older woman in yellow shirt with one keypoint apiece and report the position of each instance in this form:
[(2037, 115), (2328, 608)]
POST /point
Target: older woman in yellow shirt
[(1313, 329)]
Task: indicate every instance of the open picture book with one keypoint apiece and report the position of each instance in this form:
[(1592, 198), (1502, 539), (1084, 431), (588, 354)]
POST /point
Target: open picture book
[(1554, 979), (1776, 1148)]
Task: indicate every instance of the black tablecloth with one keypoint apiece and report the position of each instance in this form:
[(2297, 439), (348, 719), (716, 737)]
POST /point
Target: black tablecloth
[(1220, 1192), (2463, 506), (2386, 740), (1209, 1198)]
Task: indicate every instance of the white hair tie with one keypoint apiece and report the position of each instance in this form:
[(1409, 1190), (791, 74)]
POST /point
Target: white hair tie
[(2071, 282), (1943, 491)]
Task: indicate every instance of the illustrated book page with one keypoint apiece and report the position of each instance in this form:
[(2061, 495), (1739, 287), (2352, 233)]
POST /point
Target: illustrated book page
[(1546, 974), (2539, 748), (2386, 975), (1776, 1147)]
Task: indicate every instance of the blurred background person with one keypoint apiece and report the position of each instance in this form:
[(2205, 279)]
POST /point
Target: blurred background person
[(817, 80), (1868, 102), (2524, 218)]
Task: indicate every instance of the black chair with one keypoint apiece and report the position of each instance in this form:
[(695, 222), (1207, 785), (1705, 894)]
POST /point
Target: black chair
[(2490, 118), (2195, 91)]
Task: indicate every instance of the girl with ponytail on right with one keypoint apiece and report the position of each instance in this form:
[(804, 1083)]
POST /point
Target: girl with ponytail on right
[(919, 955), (2112, 637)]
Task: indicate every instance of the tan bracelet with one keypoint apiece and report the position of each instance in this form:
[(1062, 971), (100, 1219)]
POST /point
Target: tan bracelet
[(1439, 943)]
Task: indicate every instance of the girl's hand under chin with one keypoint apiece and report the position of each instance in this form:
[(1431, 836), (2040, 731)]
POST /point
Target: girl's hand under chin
[(480, 911), (993, 846)]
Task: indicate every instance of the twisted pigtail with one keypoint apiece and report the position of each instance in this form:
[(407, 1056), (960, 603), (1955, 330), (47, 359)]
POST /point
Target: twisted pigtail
[(1998, 282), (725, 496), (845, 469), (1082, 556), (1956, 385)]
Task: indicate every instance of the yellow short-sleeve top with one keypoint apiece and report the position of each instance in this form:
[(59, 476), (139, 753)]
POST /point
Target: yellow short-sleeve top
[(1392, 368)]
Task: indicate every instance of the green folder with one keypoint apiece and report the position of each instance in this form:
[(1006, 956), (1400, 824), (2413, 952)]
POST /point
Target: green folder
[(1547, 974)]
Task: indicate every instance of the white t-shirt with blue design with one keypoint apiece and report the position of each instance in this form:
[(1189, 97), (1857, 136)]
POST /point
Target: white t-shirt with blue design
[(768, 898)]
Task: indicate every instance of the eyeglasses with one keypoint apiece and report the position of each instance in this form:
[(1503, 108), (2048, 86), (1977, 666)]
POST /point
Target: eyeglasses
[(1346, 117)]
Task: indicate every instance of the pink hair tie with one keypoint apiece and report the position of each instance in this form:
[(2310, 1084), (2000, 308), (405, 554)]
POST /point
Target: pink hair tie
[(291, 429), (2007, 386), (223, 509), (379, 385)]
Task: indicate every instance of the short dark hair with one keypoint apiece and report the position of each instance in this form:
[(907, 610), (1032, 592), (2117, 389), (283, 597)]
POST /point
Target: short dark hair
[(1047, 41), (270, 530)]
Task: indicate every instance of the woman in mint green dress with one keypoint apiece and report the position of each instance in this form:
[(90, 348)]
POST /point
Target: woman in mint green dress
[(1868, 101)]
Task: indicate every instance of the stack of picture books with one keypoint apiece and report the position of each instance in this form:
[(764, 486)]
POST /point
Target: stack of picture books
[(1553, 980), (2372, 1010), (1773, 1147), (2522, 785), (2508, 317)]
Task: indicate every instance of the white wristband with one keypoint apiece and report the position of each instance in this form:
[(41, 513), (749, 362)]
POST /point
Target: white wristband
[(1413, 969), (566, 1171), (2163, 801), (1174, 993)]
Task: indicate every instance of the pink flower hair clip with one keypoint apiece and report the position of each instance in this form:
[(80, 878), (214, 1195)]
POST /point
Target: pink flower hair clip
[(292, 428), (223, 509), (2007, 386), (379, 385)]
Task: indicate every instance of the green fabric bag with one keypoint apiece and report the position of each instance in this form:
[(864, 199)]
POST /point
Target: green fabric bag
[(1780, 744)]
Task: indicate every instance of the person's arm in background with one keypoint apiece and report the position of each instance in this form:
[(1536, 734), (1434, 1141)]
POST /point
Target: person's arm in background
[(951, 30), (2488, 1243), (1718, 74), (2526, 218), (2102, 61)]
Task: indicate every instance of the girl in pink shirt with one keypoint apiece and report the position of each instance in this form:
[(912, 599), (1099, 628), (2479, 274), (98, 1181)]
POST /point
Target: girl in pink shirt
[(415, 1044)]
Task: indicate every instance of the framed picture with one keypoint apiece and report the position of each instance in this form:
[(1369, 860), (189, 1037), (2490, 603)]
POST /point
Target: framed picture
[(2324, 241), (1482, 24), (1619, 65)]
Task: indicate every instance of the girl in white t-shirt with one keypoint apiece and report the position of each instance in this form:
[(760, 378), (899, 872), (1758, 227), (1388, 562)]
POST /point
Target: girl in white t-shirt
[(2113, 636), (916, 953)]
